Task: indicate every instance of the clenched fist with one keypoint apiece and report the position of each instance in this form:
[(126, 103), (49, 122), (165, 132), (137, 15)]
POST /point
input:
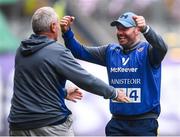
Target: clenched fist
[(66, 22)]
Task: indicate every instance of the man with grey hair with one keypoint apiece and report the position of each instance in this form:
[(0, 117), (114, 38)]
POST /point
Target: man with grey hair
[(42, 67)]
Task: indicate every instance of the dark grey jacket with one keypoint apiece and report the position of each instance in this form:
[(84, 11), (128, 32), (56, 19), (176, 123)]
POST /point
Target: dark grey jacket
[(41, 69)]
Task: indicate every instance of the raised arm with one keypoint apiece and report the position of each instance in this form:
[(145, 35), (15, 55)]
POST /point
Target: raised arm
[(90, 54), (157, 48)]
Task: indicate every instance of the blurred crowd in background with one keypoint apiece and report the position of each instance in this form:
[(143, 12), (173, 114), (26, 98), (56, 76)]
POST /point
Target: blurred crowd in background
[(92, 27)]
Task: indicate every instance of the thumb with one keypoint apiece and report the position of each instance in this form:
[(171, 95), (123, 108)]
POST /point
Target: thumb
[(75, 89), (72, 18), (134, 17)]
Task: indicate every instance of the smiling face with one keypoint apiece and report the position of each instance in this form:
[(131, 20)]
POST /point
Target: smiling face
[(127, 36)]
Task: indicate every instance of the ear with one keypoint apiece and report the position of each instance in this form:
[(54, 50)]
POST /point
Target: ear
[(53, 27)]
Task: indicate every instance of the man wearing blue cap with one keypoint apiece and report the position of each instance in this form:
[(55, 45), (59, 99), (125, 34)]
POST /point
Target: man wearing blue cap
[(134, 66)]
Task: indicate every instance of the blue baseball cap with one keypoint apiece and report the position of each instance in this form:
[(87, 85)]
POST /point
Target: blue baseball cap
[(126, 20)]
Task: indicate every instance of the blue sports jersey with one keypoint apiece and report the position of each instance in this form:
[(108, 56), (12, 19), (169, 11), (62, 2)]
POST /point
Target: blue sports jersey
[(132, 73), (136, 72)]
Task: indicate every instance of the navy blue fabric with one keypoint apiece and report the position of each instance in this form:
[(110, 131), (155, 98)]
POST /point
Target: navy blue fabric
[(143, 127)]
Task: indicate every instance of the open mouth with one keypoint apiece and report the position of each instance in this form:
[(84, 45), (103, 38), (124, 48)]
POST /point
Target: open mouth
[(121, 38)]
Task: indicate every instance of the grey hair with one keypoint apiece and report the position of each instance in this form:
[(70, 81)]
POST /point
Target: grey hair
[(42, 19)]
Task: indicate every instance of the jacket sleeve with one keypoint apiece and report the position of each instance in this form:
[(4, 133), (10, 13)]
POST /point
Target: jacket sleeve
[(70, 69), (94, 54), (157, 49)]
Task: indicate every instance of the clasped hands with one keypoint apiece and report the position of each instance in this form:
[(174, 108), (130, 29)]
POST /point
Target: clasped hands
[(74, 94)]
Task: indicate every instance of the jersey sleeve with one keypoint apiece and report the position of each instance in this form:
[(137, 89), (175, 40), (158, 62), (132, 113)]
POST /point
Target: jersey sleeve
[(91, 54), (157, 48)]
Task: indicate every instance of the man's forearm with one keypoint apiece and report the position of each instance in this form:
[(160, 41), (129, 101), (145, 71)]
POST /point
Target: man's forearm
[(158, 48)]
